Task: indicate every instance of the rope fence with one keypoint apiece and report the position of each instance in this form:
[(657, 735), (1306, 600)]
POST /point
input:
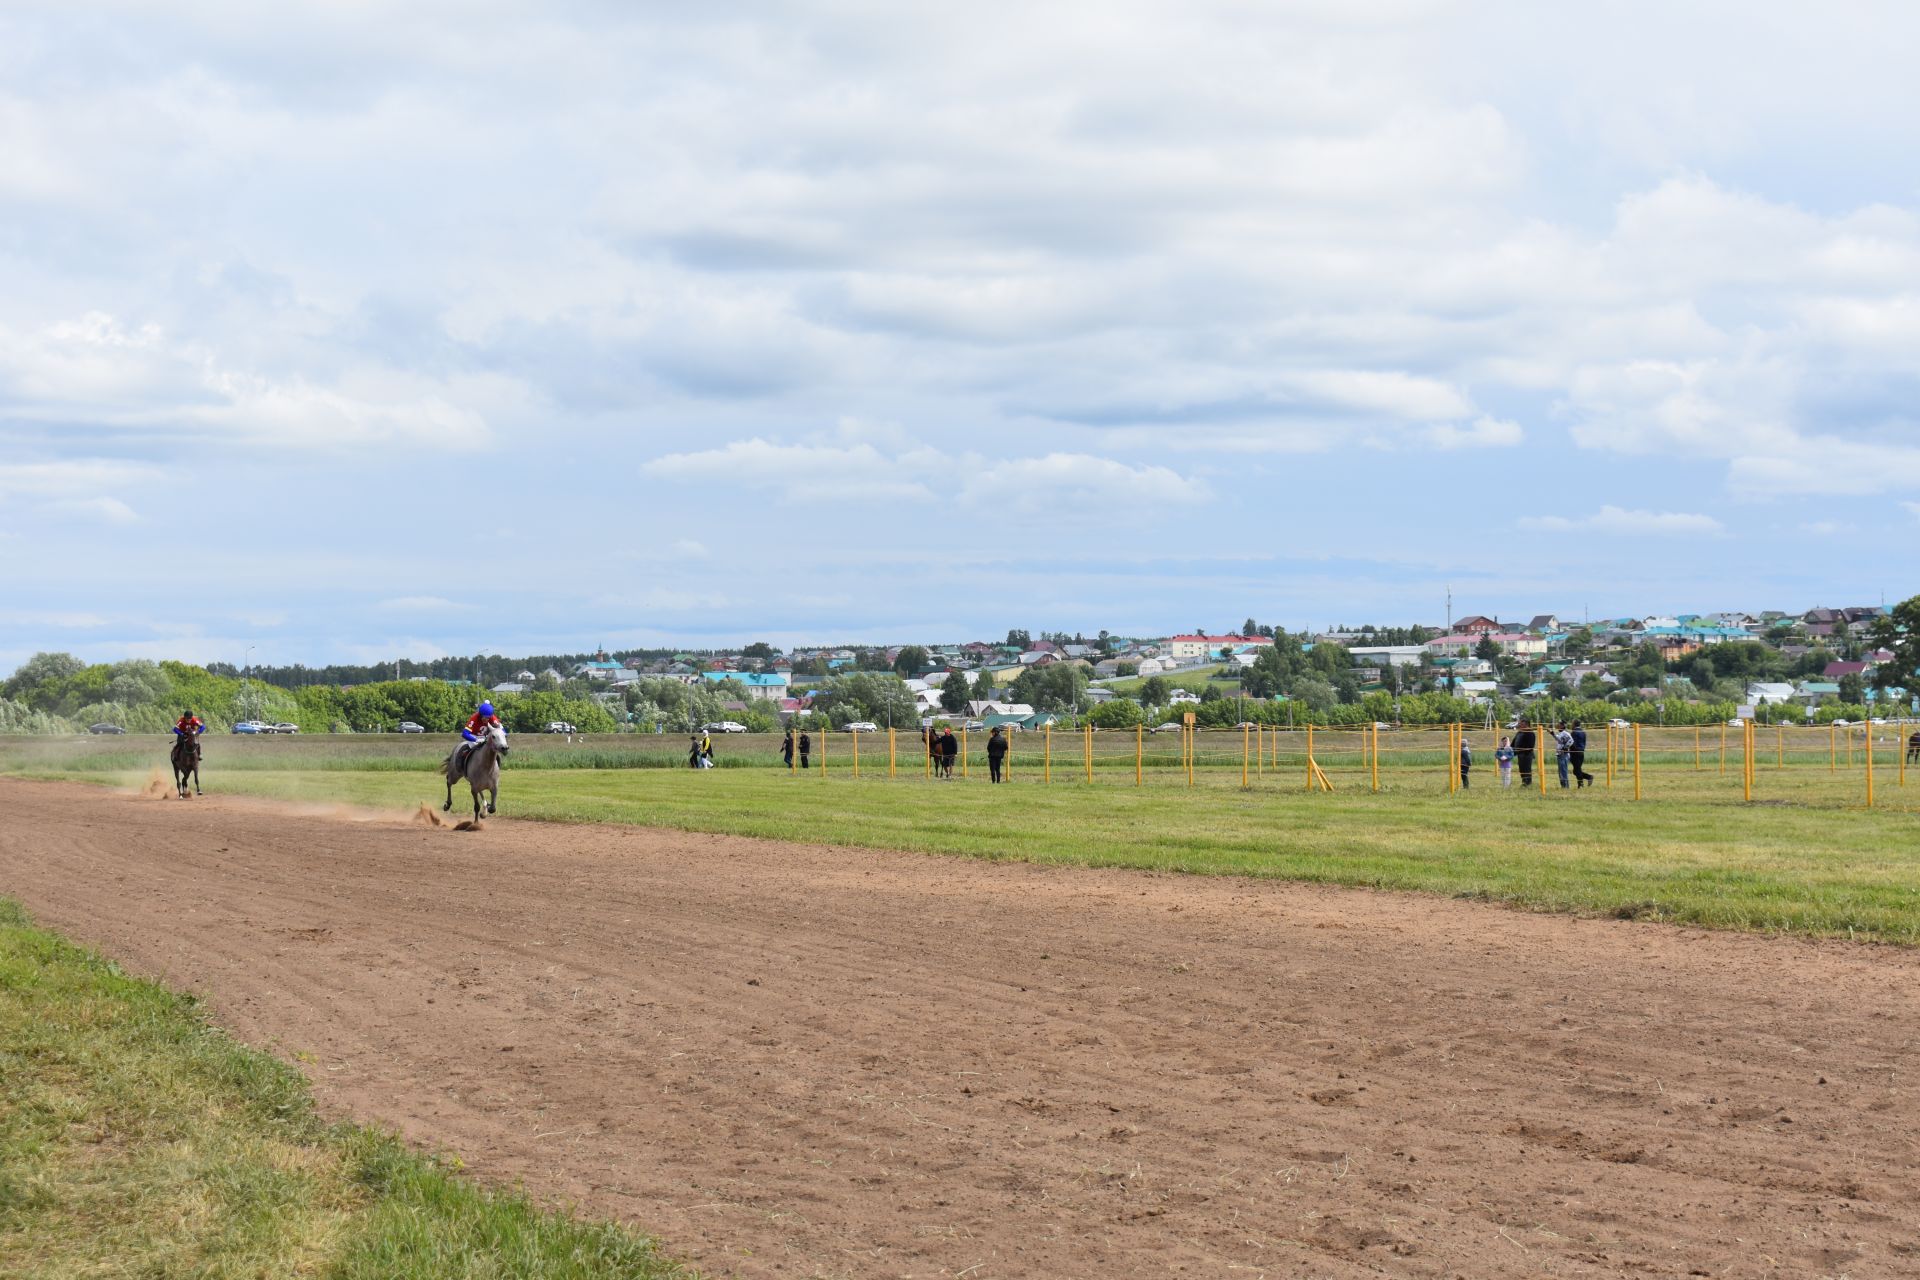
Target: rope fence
[(1855, 765)]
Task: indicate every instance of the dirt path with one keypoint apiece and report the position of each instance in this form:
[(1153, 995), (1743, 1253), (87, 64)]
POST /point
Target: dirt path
[(803, 1061)]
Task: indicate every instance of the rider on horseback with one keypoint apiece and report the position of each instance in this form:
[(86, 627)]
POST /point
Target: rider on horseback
[(477, 724), (189, 726)]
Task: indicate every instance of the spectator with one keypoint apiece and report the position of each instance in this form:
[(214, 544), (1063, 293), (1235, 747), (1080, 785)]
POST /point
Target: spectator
[(1581, 777), (949, 752), (1503, 756), (1913, 748), (1523, 746), (1466, 762), (1563, 751), (996, 752), (786, 749), (806, 748)]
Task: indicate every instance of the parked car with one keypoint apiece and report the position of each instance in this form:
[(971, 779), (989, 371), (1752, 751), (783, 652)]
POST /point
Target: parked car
[(723, 726), (248, 726), (408, 726), (861, 726), (1168, 727), (974, 726), (105, 728), (285, 726), (560, 726), (1618, 723)]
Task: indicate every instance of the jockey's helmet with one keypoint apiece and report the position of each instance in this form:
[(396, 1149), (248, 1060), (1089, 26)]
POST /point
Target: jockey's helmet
[(486, 708)]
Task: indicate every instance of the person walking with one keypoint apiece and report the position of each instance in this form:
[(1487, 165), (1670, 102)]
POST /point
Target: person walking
[(1524, 741), (1466, 762), (996, 752), (786, 749), (949, 752), (1578, 754), (806, 748), (1563, 751), (1503, 756), (1913, 747)]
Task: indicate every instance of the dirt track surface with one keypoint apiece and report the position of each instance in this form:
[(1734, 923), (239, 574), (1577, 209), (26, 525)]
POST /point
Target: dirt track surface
[(792, 1060)]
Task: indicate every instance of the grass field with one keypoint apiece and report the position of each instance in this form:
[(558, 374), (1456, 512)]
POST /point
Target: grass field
[(1805, 859), (137, 1141)]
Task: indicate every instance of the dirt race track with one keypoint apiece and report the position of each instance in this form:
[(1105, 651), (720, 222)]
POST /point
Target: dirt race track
[(803, 1061)]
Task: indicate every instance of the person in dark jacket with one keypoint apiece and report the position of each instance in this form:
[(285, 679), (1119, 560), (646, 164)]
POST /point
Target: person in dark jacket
[(1913, 747), (1466, 763), (786, 749), (1578, 756), (1524, 742), (996, 752), (949, 752), (806, 749)]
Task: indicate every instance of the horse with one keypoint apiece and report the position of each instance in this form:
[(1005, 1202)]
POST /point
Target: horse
[(482, 770), (186, 763)]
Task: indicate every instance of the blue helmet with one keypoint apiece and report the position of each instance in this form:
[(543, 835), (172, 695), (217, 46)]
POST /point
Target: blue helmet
[(486, 708)]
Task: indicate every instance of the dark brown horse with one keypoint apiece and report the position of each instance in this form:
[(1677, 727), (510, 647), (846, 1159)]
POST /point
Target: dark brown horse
[(186, 763)]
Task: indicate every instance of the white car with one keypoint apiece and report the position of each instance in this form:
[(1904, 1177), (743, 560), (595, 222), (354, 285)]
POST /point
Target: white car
[(1168, 727), (861, 726), (560, 726), (285, 726), (1618, 723), (723, 726)]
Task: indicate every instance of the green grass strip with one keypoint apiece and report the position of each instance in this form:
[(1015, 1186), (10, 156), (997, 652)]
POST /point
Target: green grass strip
[(136, 1140)]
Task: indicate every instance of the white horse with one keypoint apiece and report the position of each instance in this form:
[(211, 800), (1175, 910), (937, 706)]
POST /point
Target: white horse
[(482, 770)]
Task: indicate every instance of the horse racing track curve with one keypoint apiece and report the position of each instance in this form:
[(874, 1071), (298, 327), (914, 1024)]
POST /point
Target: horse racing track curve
[(804, 1061)]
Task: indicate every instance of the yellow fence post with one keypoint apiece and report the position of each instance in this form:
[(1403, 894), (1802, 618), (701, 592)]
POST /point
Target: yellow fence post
[(1246, 757), (1833, 748), (1780, 746), (1453, 754), (1086, 732), (963, 750), (1193, 749), (928, 753), (1046, 772), (1747, 773), (1696, 748), (1901, 745), (856, 754), (1376, 756), (1309, 755), (1139, 753), (826, 737), (1636, 762), (1869, 762)]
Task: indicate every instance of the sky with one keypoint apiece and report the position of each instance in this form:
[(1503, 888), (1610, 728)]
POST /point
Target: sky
[(349, 330)]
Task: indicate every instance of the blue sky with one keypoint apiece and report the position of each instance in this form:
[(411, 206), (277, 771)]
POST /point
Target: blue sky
[(345, 331)]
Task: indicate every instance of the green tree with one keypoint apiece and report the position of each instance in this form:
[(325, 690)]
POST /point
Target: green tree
[(1487, 649), (1154, 691), (1056, 687), (1853, 689), (983, 686), (1315, 693), (1898, 631), (759, 650), (40, 679), (1019, 637), (911, 661), (954, 692), (1117, 714)]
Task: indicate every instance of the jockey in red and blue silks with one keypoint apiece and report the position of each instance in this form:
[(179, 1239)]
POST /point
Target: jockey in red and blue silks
[(479, 722), (189, 726)]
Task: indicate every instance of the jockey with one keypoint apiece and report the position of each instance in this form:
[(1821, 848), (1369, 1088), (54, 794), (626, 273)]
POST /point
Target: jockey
[(189, 726), (479, 722)]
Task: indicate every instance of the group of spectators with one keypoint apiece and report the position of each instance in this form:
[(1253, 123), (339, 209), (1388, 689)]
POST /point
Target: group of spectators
[(1570, 752)]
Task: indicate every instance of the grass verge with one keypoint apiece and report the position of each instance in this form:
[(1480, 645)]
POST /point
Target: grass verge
[(136, 1140)]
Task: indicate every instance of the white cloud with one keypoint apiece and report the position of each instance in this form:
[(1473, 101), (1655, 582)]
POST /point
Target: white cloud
[(1622, 522), (863, 472), (1482, 432), (422, 604)]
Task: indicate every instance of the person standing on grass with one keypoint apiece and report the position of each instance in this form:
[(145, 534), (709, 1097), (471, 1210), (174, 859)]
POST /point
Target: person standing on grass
[(1578, 754), (1524, 741), (1466, 762), (1562, 751), (786, 749), (806, 748), (996, 752), (1913, 747), (949, 751), (1503, 756)]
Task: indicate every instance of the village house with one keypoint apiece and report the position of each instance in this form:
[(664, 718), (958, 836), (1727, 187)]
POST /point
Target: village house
[(1197, 648)]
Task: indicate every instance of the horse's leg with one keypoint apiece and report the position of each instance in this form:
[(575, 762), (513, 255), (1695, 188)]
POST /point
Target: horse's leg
[(448, 770), (493, 797), (196, 779), (476, 804)]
